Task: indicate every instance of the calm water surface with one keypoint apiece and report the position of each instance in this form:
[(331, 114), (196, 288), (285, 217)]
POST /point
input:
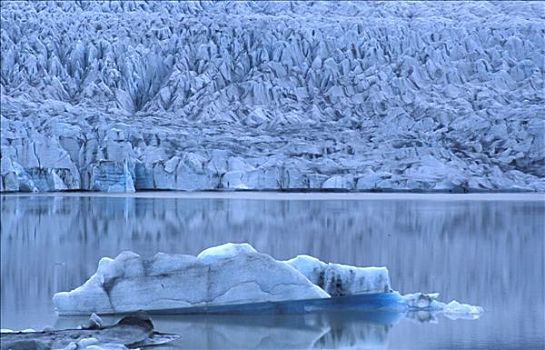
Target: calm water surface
[(483, 252)]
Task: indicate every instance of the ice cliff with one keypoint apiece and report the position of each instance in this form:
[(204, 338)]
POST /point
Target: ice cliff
[(125, 96), (234, 274)]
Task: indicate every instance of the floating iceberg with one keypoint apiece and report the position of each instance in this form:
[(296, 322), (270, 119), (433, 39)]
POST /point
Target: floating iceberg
[(235, 278), (228, 274)]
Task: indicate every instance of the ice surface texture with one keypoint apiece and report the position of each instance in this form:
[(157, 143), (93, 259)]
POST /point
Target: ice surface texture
[(230, 274), (222, 275), (125, 96), (340, 280)]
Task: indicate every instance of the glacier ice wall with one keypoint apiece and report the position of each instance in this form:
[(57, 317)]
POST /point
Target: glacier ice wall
[(124, 96)]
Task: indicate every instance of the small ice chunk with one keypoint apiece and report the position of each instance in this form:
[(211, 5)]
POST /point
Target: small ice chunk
[(95, 322), (93, 344), (87, 342), (452, 310), (423, 301), (71, 346), (455, 310)]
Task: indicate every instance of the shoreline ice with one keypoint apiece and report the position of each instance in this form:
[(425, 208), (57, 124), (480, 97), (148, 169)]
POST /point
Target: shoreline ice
[(134, 331)]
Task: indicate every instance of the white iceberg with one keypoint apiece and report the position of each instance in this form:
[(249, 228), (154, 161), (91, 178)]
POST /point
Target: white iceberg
[(455, 310), (224, 275), (233, 276)]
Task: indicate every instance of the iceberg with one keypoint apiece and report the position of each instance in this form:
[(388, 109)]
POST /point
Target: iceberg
[(223, 275), (235, 278)]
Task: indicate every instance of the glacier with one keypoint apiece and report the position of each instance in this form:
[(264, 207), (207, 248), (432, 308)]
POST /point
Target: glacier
[(123, 96), (235, 278)]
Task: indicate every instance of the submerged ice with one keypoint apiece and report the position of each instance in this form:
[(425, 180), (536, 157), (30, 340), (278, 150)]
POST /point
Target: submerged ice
[(125, 96), (231, 274)]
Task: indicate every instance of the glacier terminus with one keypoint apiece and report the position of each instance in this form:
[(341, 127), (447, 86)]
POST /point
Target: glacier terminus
[(355, 96)]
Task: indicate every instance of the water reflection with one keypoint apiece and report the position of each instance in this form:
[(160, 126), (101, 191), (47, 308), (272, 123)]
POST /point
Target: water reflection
[(488, 253), (325, 330)]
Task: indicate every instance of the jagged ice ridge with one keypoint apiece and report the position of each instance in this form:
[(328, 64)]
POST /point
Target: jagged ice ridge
[(125, 96)]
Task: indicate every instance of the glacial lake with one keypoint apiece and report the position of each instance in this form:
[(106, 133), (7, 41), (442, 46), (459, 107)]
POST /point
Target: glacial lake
[(485, 250)]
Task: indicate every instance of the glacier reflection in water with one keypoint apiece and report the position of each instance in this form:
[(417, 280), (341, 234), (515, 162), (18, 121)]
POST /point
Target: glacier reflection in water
[(488, 253)]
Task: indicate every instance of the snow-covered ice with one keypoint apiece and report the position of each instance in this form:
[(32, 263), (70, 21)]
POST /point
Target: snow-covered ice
[(230, 274), (125, 96), (225, 251), (339, 280)]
